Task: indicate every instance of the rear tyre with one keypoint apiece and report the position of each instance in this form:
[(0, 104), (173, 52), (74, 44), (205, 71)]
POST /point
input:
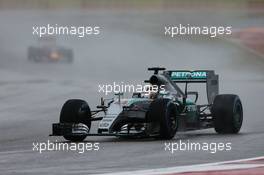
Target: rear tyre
[(75, 111), (227, 112), (164, 112), (69, 56)]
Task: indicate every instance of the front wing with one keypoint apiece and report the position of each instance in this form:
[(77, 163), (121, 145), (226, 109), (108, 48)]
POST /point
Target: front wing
[(72, 129)]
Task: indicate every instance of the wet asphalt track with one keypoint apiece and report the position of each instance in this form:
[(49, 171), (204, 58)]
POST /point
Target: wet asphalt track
[(31, 95)]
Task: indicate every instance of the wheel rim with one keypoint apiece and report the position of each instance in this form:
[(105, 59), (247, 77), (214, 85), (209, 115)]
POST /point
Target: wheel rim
[(83, 111), (238, 116), (173, 121)]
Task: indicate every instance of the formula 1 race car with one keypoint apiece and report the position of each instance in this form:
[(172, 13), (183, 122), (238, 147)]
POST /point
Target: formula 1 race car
[(48, 51), (160, 115)]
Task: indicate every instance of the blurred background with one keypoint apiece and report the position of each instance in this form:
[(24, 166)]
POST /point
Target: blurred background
[(140, 4), (37, 77)]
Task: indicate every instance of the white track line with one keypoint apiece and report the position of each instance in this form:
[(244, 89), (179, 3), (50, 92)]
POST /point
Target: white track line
[(198, 167)]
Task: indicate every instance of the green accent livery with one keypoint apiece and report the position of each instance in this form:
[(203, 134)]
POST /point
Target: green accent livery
[(176, 75)]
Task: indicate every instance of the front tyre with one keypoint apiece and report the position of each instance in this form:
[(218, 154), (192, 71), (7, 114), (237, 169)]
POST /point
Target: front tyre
[(227, 112), (164, 112), (31, 53), (75, 111)]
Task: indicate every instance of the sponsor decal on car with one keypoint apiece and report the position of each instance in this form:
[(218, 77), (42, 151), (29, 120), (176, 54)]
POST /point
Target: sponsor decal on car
[(188, 75)]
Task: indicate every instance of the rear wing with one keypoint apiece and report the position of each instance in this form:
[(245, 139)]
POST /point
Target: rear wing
[(198, 76)]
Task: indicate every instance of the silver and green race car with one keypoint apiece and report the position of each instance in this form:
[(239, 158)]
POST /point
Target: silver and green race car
[(159, 115)]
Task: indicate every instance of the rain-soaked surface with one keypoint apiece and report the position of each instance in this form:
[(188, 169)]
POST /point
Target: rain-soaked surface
[(31, 94)]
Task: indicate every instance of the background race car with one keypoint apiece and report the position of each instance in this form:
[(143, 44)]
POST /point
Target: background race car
[(47, 50)]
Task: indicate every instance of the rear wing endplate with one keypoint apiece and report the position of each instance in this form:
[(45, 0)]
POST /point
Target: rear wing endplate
[(198, 76)]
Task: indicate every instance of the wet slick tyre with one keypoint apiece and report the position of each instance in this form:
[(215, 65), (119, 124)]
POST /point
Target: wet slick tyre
[(75, 111), (164, 112), (227, 112)]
